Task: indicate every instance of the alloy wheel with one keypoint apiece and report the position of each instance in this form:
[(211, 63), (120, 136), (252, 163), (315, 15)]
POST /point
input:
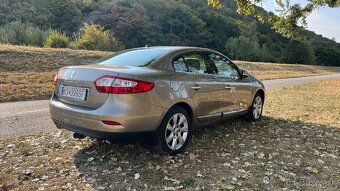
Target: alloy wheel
[(257, 107), (176, 132)]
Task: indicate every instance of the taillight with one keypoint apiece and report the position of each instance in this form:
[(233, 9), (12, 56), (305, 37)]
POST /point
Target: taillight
[(55, 81), (118, 85), (103, 84)]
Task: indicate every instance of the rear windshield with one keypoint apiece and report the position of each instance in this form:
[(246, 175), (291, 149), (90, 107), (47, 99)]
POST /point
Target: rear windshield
[(140, 58)]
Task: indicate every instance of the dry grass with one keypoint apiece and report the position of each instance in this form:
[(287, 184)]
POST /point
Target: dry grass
[(17, 86), (318, 102), (266, 71), (26, 73), (285, 150), (32, 59)]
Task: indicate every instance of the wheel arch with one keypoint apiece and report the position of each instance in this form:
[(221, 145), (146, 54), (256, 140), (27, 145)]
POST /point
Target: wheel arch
[(261, 92), (186, 107)]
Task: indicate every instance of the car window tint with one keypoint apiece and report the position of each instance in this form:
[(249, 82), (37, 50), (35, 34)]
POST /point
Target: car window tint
[(198, 63), (139, 57), (179, 65), (194, 64), (224, 67)]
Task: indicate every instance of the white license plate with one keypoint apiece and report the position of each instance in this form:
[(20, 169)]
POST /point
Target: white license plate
[(73, 92)]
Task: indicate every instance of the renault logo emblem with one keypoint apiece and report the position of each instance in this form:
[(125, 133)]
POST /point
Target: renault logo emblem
[(73, 73)]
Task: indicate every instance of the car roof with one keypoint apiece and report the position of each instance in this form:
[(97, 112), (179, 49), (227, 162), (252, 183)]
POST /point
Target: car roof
[(163, 62), (169, 48)]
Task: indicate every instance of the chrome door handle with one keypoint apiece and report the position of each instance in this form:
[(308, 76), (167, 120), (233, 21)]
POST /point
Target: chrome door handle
[(195, 87)]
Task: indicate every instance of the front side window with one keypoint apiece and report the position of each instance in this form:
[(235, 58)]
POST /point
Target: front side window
[(224, 67), (139, 57)]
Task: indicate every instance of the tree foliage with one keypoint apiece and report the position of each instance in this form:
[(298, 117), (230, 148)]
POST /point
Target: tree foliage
[(246, 46), (22, 34), (63, 15), (135, 23), (94, 37), (289, 15), (298, 52)]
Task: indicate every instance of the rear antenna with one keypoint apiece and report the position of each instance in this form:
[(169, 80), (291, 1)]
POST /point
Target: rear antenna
[(147, 46)]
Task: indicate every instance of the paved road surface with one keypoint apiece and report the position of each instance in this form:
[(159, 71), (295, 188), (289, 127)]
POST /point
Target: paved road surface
[(26, 117), (289, 82)]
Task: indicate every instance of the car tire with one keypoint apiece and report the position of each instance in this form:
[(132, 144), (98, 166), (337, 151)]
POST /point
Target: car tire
[(255, 111), (174, 133)]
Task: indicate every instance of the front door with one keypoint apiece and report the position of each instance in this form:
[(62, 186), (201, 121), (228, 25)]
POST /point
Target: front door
[(237, 89)]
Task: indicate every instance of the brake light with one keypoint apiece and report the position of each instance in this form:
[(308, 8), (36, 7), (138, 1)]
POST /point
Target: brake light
[(118, 85), (55, 81)]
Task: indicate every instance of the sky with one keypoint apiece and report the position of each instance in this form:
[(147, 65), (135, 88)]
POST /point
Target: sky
[(324, 21)]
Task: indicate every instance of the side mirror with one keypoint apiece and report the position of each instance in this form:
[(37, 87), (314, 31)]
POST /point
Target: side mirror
[(244, 74)]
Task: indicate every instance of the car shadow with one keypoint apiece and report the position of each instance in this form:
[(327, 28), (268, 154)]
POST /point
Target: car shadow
[(269, 154)]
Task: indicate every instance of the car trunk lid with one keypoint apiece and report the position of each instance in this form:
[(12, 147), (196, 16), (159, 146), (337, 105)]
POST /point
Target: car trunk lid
[(76, 85)]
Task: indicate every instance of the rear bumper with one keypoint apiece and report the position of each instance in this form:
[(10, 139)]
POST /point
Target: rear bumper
[(89, 121), (130, 137)]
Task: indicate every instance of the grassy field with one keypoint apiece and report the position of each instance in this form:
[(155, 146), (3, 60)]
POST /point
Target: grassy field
[(313, 103), (267, 71), (32, 59), (293, 147), (26, 73)]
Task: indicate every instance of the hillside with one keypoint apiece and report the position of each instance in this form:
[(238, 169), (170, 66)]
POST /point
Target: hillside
[(163, 22), (32, 59), (26, 73)]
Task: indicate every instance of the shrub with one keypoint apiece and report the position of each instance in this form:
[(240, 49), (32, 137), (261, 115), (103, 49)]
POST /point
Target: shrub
[(94, 37), (22, 34), (56, 40)]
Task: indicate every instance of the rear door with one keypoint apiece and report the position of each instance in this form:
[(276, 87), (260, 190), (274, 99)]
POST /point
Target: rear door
[(207, 94)]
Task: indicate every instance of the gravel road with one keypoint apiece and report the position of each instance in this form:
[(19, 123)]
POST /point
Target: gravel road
[(26, 117)]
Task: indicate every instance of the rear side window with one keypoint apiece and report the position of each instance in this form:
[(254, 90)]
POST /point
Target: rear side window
[(180, 65), (140, 58), (194, 63)]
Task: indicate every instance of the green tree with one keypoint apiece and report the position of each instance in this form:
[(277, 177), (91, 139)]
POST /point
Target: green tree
[(130, 21), (94, 37), (290, 15), (327, 52), (22, 34), (63, 15), (158, 22), (298, 52), (246, 46)]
